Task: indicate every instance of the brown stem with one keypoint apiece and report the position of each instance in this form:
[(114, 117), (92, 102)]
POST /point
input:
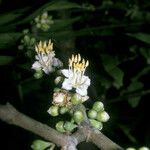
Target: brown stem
[(10, 115)]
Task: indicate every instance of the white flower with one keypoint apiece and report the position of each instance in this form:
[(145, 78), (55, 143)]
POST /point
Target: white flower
[(61, 98), (75, 77), (45, 58)]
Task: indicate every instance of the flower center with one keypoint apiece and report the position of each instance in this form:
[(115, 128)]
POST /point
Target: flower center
[(77, 67), (44, 47)]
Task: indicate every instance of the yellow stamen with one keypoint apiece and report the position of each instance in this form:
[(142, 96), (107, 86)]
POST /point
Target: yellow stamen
[(44, 47), (78, 64)]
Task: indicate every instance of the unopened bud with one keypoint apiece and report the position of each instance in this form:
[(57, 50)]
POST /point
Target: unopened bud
[(98, 106), (53, 111), (102, 116), (143, 148)]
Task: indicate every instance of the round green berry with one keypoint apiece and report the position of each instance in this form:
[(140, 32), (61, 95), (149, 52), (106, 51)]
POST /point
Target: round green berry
[(102, 116), (92, 114), (96, 124), (78, 116), (76, 99), (53, 111), (98, 106), (130, 148), (60, 126), (63, 110), (143, 148)]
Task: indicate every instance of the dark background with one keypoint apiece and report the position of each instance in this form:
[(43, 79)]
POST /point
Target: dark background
[(112, 35)]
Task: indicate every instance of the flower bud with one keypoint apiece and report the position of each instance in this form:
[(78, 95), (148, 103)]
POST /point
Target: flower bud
[(40, 145), (38, 74), (60, 126), (44, 15), (143, 148), (59, 98), (92, 114), (102, 116), (20, 47), (76, 99), (26, 39), (38, 25), (58, 80), (96, 124), (57, 89), (53, 111), (25, 31), (98, 106), (69, 126), (78, 116), (63, 110), (130, 148)]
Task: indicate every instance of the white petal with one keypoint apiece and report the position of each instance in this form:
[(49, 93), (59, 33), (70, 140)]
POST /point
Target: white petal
[(67, 84), (86, 80), (45, 58), (36, 65), (57, 62), (82, 90), (65, 72), (48, 69), (37, 57)]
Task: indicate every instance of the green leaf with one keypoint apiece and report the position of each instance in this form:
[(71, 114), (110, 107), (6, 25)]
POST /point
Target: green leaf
[(51, 6), (134, 86), (5, 60), (118, 75), (134, 101), (110, 65), (60, 5), (7, 18), (141, 36), (8, 39)]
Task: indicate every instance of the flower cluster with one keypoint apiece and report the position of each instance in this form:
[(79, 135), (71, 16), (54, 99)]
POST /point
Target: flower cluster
[(70, 96), (43, 21), (45, 58)]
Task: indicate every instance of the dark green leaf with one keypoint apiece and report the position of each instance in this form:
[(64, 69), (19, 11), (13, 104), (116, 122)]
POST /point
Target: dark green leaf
[(134, 101), (5, 60), (8, 39), (141, 36)]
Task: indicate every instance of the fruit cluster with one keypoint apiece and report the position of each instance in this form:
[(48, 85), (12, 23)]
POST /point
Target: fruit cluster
[(97, 115)]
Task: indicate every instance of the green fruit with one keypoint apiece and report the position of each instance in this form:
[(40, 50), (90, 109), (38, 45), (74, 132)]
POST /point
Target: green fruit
[(143, 148), (60, 126), (102, 116), (63, 110), (69, 126), (130, 148), (53, 111), (78, 116), (98, 106), (76, 99), (96, 124), (92, 114)]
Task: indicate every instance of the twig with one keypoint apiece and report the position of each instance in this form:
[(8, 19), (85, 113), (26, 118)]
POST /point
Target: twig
[(10, 115)]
